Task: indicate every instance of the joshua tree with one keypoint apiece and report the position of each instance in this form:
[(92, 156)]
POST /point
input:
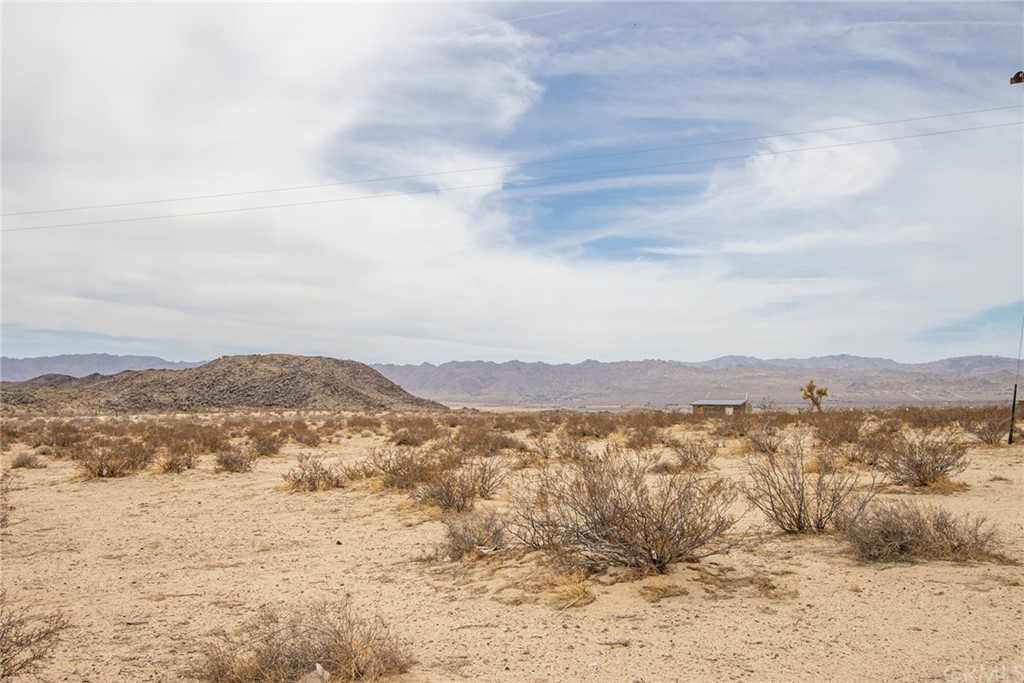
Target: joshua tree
[(813, 393)]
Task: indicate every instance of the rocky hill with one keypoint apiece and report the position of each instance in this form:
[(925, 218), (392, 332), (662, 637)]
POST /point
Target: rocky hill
[(255, 382)]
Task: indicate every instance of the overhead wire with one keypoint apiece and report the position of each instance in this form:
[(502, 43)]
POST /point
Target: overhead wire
[(431, 174), (503, 183)]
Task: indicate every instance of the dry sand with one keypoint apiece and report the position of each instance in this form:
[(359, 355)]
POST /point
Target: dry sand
[(149, 566)]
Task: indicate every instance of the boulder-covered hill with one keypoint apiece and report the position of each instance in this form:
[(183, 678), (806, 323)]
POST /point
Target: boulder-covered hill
[(275, 381)]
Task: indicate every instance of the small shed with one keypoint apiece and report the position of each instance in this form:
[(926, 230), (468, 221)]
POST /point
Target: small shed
[(707, 407)]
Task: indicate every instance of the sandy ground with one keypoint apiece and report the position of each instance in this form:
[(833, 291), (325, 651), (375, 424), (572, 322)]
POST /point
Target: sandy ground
[(148, 567)]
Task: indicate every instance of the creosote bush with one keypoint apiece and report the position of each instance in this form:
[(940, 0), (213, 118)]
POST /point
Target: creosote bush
[(603, 511), (406, 468), (903, 531), (458, 489), (26, 641), (234, 460), (285, 645), (796, 500), (108, 458), (926, 458), (27, 461), (312, 474), (472, 534), (694, 453), (173, 463)]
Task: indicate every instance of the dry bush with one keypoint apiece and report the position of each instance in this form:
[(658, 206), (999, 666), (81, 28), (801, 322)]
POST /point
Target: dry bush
[(313, 475), (277, 646), (642, 438), (799, 501), (990, 425), (25, 641), (833, 428), (603, 512), (480, 438), (106, 458), (406, 468), (234, 460), (173, 463), (363, 423), (60, 435), (926, 458), (571, 448), (5, 497), (472, 534), (413, 430), (300, 432), (766, 438), (265, 439), (458, 489), (26, 460), (902, 531), (694, 453), (734, 426), (589, 425)]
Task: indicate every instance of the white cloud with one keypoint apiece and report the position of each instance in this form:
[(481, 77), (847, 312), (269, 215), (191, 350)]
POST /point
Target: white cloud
[(850, 249)]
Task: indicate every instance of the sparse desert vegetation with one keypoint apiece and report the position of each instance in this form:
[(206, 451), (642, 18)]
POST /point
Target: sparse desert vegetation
[(465, 522)]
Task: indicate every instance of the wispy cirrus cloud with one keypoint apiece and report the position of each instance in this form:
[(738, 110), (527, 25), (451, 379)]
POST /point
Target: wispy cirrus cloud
[(728, 247)]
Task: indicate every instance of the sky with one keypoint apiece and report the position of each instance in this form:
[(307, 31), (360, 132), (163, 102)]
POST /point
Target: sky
[(495, 181)]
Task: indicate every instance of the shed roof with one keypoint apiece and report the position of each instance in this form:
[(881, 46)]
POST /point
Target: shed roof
[(719, 402)]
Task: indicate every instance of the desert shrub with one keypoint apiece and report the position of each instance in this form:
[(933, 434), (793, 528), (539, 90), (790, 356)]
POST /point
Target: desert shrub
[(312, 474), (566, 447), (796, 500), (5, 497), (603, 511), (285, 645), (872, 446), (902, 531), (766, 438), (413, 430), (458, 489), (234, 460), (926, 458), (472, 534), (834, 428), (363, 423), (990, 425), (300, 432), (734, 426), (589, 425), (642, 438), (208, 438), (60, 434), (108, 459), (406, 468), (173, 463), (694, 453), (265, 439), (479, 438), (25, 641), (26, 460)]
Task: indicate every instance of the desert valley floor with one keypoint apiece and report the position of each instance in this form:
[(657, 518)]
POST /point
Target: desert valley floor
[(149, 568)]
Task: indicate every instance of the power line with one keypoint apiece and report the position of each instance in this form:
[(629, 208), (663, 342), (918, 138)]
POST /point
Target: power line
[(531, 181), (520, 164)]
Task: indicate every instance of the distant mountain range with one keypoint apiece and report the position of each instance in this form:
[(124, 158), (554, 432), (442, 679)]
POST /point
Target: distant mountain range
[(851, 380), (80, 365)]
